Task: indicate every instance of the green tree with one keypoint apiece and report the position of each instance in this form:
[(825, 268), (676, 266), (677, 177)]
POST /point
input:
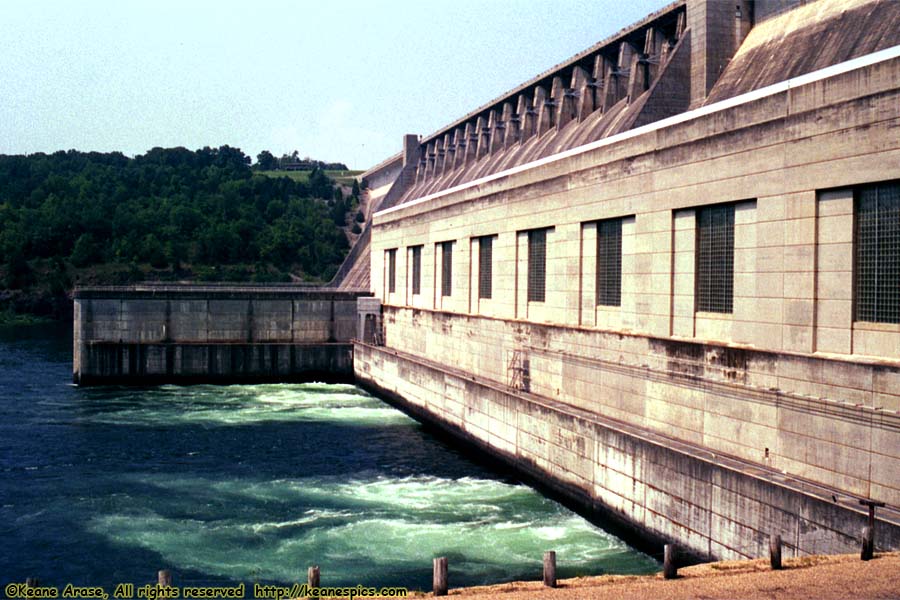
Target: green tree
[(266, 161), (86, 251)]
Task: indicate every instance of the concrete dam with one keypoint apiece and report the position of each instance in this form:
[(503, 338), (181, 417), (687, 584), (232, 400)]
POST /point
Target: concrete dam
[(661, 278)]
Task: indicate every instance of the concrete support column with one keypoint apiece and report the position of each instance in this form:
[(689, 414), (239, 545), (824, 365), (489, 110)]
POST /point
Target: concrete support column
[(635, 75), (420, 169), (714, 30), (582, 83), (411, 150), (459, 147), (573, 99), (449, 153), (601, 67), (497, 127), (512, 122), (527, 117), (439, 157), (472, 134), (429, 160), (543, 104), (680, 25), (616, 80), (483, 134), (649, 61)]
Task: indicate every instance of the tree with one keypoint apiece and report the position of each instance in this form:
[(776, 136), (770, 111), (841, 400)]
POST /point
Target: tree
[(86, 251), (266, 161)]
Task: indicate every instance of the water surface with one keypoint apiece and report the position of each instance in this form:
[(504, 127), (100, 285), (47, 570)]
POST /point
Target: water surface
[(247, 483)]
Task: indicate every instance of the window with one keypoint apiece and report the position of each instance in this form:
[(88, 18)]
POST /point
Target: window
[(446, 268), (715, 259), (609, 263), (416, 252), (537, 265), (392, 270), (485, 259), (877, 254)]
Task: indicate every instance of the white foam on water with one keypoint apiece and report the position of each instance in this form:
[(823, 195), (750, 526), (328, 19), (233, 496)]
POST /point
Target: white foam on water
[(363, 526), (241, 405)]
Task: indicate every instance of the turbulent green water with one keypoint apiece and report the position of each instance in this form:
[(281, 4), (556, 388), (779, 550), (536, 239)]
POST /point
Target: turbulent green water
[(235, 484)]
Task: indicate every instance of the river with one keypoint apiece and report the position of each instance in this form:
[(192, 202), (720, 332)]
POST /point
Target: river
[(254, 483)]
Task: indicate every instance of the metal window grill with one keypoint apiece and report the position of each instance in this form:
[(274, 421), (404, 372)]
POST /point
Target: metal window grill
[(609, 262), (416, 269), (537, 265), (446, 268), (878, 254), (392, 270), (715, 259), (485, 264)]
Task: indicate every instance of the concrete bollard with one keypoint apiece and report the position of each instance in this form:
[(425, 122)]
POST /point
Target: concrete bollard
[(868, 543), (164, 578), (775, 552), (670, 571), (312, 576), (439, 581), (550, 568)]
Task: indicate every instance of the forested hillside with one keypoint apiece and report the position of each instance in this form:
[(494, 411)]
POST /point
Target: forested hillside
[(75, 217)]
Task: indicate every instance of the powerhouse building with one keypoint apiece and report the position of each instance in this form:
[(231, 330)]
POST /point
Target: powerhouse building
[(663, 277)]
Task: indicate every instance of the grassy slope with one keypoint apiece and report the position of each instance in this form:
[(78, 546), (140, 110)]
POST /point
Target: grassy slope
[(341, 177)]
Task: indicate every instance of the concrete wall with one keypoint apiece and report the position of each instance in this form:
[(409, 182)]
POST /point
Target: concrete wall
[(212, 333), (813, 417), (715, 506), (787, 380)]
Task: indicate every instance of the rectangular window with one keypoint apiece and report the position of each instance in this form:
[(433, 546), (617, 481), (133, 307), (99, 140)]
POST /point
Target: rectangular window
[(485, 265), (416, 252), (609, 263), (877, 254), (715, 259), (446, 268), (392, 270), (537, 265)]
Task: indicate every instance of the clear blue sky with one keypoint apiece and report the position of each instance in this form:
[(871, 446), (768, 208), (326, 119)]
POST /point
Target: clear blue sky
[(337, 80)]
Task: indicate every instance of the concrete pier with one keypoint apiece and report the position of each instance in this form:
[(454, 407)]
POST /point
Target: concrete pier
[(152, 334)]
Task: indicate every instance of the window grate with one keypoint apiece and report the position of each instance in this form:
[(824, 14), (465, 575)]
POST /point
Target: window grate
[(392, 270), (715, 259), (446, 268), (877, 257), (485, 264), (609, 263), (416, 269), (537, 265)]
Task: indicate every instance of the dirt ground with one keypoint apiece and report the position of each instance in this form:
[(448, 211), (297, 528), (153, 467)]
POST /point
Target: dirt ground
[(816, 577)]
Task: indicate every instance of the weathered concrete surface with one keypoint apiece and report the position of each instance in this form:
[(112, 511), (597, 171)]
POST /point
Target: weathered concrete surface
[(212, 334), (786, 378), (808, 38), (818, 418), (665, 489)]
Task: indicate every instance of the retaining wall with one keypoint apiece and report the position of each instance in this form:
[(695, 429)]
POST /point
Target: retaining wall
[(212, 334), (715, 505)]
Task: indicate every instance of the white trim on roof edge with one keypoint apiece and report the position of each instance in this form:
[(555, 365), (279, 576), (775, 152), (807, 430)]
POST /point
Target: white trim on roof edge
[(771, 90)]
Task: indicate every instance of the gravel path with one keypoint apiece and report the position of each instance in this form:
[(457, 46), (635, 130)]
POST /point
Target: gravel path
[(818, 577)]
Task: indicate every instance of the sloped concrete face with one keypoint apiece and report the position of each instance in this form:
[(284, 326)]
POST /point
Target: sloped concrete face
[(212, 334)]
